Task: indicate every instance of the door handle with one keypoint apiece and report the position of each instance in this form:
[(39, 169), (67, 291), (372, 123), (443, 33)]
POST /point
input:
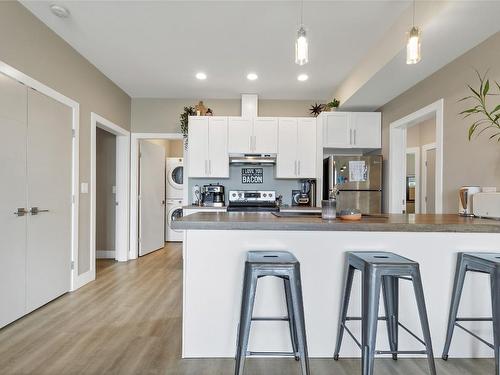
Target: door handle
[(21, 212), (36, 210)]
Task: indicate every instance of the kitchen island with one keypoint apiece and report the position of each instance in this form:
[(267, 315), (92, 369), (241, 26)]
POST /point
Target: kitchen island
[(215, 245)]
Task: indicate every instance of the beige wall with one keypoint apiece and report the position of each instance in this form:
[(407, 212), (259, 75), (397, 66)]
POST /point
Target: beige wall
[(421, 134), (105, 198), (31, 47), (151, 115), (174, 148), (465, 163)]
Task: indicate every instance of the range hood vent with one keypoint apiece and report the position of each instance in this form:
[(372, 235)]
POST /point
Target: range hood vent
[(252, 159)]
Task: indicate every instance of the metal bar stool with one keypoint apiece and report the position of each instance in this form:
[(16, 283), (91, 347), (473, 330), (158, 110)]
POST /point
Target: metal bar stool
[(382, 270), (283, 265), (484, 263)]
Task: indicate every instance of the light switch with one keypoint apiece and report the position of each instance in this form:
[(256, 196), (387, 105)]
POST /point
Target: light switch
[(84, 188)]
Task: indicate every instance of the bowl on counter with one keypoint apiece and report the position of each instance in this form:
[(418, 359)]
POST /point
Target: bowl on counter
[(350, 215)]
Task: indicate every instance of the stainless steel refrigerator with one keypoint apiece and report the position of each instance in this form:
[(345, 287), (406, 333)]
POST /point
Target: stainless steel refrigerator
[(360, 178)]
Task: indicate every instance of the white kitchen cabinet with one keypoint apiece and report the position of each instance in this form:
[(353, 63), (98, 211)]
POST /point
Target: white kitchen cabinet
[(366, 129), (258, 135), (208, 155), (306, 148), (296, 148), (265, 135), (337, 130), (351, 129), (240, 135)]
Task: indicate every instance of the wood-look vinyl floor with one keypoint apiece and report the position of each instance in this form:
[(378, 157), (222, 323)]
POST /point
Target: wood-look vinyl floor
[(128, 321)]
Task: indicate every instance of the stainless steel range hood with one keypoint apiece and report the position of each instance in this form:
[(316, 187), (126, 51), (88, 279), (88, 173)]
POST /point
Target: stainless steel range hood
[(255, 159)]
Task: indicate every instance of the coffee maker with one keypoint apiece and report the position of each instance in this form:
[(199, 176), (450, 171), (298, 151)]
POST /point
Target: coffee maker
[(212, 195), (307, 195)]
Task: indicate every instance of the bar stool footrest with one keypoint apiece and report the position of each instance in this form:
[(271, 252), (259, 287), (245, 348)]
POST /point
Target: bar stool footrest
[(272, 354), (491, 346), (270, 319)]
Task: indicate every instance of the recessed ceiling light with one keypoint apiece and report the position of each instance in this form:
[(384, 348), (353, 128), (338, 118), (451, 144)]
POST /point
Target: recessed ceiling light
[(252, 76), (59, 11), (303, 77), (201, 76)]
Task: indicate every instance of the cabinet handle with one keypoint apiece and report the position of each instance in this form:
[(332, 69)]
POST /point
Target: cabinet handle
[(350, 136), (206, 167), (354, 136), (254, 142), (210, 167), (298, 167), (295, 168), (21, 212)]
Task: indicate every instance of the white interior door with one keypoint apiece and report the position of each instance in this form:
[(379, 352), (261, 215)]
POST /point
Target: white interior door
[(49, 163), (12, 196), (152, 197)]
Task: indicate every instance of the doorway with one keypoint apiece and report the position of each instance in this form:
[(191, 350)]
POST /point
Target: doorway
[(157, 190), (422, 129), (113, 219)]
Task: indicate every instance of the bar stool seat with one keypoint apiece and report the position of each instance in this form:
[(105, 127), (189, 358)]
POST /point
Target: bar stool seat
[(481, 262), (284, 265), (382, 271)]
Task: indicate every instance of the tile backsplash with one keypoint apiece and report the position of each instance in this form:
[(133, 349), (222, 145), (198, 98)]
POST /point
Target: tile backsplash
[(234, 182)]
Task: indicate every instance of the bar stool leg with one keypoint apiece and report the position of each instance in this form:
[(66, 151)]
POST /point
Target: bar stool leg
[(458, 286), (422, 312), (291, 322), (349, 275), (247, 302), (495, 304), (390, 291), (370, 296), (298, 313)]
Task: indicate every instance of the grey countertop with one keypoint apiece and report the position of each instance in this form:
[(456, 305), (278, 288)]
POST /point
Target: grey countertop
[(382, 223), (282, 208)]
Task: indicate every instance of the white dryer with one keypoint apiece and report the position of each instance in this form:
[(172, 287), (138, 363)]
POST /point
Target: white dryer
[(175, 177), (174, 211)]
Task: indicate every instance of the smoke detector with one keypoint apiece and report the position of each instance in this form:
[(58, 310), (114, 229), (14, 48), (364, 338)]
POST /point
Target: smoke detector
[(59, 11)]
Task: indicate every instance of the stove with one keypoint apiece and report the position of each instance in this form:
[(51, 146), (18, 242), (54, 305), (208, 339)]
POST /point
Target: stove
[(252, 201)]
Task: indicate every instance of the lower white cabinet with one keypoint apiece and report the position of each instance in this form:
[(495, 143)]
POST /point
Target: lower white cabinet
[(296, 148), (207, 142)]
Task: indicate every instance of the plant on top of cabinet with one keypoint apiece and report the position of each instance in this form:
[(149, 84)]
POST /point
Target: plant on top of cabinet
[(488, 120), (333, 105), (184, 117)]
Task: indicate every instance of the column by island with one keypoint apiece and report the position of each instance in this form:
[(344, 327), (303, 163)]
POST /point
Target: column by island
[(215, 245)]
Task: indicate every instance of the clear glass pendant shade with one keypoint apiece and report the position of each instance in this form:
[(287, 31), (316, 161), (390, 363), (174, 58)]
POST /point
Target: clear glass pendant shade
[(301, 47), (413, 55)]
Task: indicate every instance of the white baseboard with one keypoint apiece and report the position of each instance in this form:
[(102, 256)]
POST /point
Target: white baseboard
[(105, 254)]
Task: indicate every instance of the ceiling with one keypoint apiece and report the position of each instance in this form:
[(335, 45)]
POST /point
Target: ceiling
[(154, 49)]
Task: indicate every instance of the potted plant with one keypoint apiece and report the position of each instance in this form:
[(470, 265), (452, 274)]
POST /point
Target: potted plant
[(184, 118), (486, 120), (333, 105)]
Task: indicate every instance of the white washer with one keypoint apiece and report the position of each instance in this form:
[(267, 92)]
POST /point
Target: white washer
[(175, 176), (174, 211)]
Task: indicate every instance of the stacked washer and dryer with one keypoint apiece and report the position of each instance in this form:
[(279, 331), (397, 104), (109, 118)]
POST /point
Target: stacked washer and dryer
[(174, 194)]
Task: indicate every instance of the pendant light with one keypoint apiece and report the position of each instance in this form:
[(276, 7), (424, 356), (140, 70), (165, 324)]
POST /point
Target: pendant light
[(301, 44), (413, 55)]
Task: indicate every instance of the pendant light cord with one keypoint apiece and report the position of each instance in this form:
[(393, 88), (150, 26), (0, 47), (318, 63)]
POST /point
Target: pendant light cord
[(301, 13), (414, 2)]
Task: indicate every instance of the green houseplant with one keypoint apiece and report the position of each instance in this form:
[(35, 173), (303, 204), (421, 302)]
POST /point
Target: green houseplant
[(184, 118), (486, 120), (333, 105)]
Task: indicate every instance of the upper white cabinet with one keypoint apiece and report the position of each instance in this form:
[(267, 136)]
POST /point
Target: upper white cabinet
[(258, 135), (351, 129), (366, 129), (265, 135), (208, 153), (296, 148)]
